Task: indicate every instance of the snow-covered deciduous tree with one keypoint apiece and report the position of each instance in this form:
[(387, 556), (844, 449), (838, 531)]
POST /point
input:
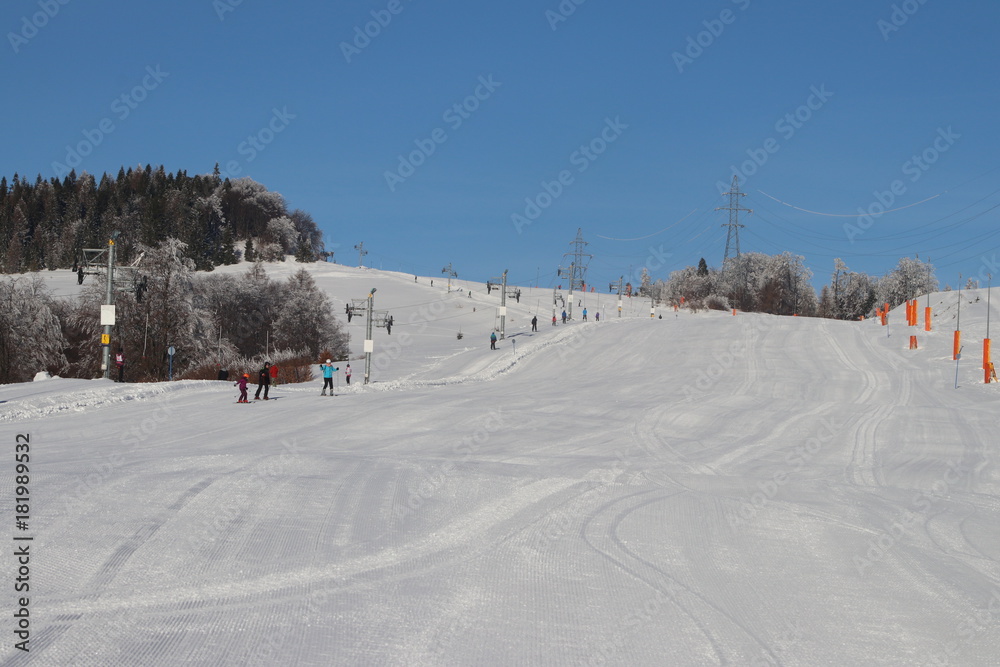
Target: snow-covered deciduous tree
[(167, 315), (305, 319), (243, 308), (777, 284), (911, 278), (281, 230), (31, 338)]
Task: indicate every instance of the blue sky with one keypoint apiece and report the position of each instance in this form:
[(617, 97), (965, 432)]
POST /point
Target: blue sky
[(621, 119)]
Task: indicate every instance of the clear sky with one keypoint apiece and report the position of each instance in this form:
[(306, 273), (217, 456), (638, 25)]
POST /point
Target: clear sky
[(433, 137)]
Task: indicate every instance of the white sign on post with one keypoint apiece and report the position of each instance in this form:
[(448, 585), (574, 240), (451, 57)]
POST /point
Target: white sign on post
[(107, 316), (369, 345)]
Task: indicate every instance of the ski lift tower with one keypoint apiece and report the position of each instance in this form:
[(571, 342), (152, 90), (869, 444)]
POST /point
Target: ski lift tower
[(373, 318), (452, 273), (503, 303), (101, 262), (577, 272), (612, 287)]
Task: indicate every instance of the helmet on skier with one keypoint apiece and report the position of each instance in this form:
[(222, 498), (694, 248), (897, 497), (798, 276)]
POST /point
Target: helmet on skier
[(328, 361), (246, 375)]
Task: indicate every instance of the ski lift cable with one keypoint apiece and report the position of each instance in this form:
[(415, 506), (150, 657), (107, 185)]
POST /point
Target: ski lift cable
[(649, 236), (848, 215), (854, 215)]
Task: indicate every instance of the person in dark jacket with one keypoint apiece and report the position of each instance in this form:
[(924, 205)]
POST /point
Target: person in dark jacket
[(263, 381), (493, 340), (534, 323)]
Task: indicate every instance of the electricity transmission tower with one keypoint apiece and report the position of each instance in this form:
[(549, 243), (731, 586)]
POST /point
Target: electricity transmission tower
[(733, 235), (577, 271)]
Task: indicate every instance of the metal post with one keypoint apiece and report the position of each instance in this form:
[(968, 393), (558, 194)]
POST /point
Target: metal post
[(369, 342), (989, 284), (572, 278), (503, 304), (620, 278), (958, 318), (109, 299)]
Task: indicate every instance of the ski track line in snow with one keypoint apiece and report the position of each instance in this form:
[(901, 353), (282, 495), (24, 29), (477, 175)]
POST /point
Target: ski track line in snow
[(620, 544), (114, 564), (864, 468), (606, 532), (460, 532), (500, 366)]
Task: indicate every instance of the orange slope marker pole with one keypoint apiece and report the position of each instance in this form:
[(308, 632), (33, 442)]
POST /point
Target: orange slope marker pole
[(927, 318), (957, 345), (986, 361)]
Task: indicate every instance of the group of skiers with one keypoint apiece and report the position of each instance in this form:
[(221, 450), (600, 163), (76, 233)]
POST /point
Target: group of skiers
[(264, 377), (270, 372)]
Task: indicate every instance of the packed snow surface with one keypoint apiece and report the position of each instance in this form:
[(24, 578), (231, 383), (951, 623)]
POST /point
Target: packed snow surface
[(696, 489)]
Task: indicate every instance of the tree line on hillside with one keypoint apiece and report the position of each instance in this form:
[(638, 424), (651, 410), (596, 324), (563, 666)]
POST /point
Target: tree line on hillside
[(780, 285), (46, 224), (212, 320)]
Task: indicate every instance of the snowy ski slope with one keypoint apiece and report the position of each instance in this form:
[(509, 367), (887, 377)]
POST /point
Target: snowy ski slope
[(700, 489)]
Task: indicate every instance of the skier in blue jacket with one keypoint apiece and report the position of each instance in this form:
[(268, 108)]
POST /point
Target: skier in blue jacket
[(328, 370)]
